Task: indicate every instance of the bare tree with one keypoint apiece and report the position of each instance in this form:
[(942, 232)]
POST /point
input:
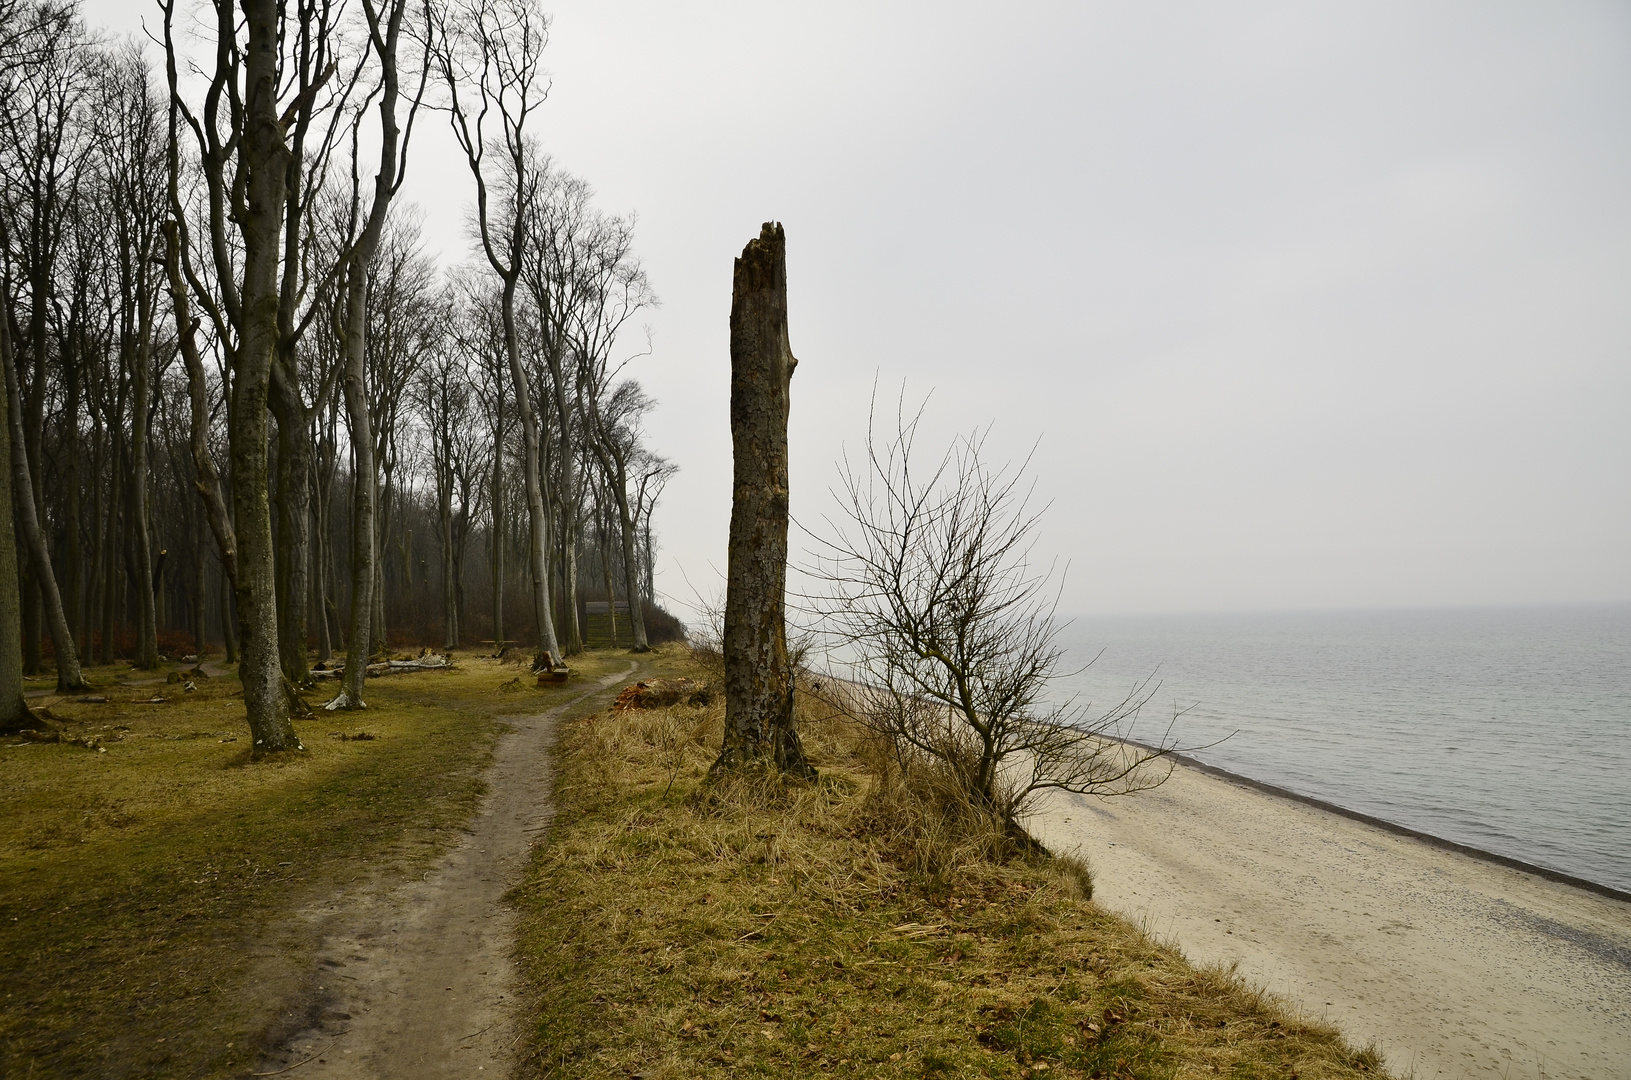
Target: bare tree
[(245, 161), (612, 288), (131, 160), (491, 53), (933, 609), (384, 35), (44, 75)]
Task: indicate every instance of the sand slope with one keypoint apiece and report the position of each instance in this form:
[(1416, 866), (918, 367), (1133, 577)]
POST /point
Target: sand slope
[(1455, 967)]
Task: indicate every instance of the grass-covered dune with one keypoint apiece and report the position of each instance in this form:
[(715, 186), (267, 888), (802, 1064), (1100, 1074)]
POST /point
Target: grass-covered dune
[(858, 926)]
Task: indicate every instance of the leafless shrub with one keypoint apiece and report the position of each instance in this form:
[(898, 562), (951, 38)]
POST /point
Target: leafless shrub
[(947, 639)]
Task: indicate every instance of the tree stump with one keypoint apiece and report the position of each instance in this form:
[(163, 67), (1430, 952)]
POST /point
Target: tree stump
[(758, 674)]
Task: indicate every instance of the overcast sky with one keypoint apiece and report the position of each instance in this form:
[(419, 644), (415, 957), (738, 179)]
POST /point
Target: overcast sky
[(1306, 305)]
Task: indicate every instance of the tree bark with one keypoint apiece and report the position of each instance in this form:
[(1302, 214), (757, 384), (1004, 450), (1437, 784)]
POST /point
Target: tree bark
[(363, 527), (73, 557), (758, 675), (294, 511), (498, 532), (13, 711), (205, 477), (111, 543), (537, 515), (265, 157), (365, 531), (68, 676), (141, 357), (572, 635)]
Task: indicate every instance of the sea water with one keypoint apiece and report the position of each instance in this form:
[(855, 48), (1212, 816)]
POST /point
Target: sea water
[(1507, 730)]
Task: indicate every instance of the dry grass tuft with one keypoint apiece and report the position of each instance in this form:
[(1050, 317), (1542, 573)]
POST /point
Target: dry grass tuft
[(866, 924)]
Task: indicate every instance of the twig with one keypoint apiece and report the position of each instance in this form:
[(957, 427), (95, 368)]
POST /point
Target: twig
[(314, 1057), (473, 1034)]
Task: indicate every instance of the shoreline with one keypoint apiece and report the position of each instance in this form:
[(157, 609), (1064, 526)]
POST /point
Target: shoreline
[(1546, 872), (1454, 965)]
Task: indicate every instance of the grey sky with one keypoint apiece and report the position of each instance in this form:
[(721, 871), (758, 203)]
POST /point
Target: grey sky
[(1310, 305)]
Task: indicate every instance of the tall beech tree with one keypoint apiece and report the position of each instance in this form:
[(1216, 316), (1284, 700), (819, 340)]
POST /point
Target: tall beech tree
[(384, 36), (245, 159), (491, 54)]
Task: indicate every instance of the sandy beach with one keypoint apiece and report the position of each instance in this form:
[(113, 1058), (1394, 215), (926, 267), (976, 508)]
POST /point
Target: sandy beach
[(1452, 965)]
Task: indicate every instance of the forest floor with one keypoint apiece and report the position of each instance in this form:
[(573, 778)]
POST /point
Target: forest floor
[(163, 899)]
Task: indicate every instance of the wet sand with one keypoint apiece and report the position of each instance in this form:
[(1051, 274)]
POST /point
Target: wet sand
[(1452, 965)]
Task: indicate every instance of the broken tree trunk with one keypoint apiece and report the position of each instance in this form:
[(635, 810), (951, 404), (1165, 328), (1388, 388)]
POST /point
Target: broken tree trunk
[(758, 674)]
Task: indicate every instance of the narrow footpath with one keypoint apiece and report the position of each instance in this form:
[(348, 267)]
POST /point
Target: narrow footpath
[(421, 981)]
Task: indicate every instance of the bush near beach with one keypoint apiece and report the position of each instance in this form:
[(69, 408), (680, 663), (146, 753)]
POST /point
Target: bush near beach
[(863, 925)]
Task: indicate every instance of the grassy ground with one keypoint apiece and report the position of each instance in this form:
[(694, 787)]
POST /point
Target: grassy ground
[(844, 928), (142, 887)]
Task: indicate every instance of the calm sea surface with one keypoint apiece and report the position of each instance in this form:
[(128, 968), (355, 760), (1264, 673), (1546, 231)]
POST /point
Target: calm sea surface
[(1503, 729)]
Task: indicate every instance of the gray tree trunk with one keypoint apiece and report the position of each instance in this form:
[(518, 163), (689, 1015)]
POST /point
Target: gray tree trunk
[(13, 711), (363, 548), (147, 644), (365, 531), (572, 633), (110, 582), (265, 157), (205, 477), (498, 535), (68, 676), (631, 571), (538, 516), (444, 508), (294, 511), (758, 674)]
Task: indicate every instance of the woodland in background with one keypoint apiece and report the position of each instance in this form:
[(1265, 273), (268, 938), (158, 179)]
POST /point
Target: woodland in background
[(245, 408)]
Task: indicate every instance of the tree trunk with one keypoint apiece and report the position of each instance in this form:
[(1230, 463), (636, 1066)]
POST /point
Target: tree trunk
[(200, 586), (68, 676), (498, 529), (318, 554), (229, 620), (631, 572), (13, 711), (616, 470), (294, 510), (205, 477), (73, 557), (572, 633), (265, 159), (147, 644), (538, 516), (444, 508), (33, 408), (93, 589), (382, 524), (364, 549), (758, 675), (111, 543)]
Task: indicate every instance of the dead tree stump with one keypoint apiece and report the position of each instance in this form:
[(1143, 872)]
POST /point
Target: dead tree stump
[(758, 674)]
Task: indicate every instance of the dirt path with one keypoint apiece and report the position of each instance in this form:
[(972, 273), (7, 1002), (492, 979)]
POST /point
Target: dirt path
[(1456, 967), (419, 982)]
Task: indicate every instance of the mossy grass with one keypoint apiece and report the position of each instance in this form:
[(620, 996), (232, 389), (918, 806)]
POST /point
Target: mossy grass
[(858, 926), (147, 892)]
